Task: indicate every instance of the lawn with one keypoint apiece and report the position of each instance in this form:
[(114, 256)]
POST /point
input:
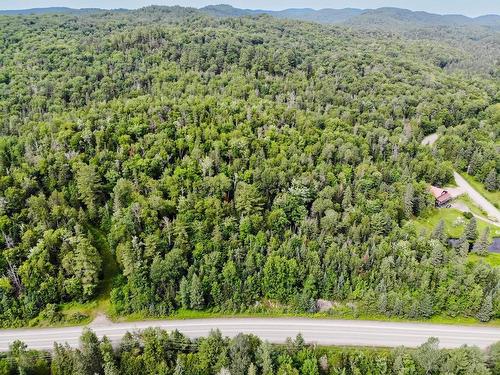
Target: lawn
[(454, 222), (492, 259), (492, 196), (465, 199)]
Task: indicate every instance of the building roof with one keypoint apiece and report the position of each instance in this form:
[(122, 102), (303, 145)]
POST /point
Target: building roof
[(445, 197), (437, 192), (441, 195)]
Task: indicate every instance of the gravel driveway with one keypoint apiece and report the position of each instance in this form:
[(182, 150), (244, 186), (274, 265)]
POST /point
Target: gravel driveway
[(492, 211)]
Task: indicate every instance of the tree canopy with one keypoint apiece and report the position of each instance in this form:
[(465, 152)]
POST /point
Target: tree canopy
[(233, 162)]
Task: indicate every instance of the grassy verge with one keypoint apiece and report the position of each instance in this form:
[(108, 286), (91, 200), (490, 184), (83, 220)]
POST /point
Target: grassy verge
[(465, 199), (342, 314), (492, 196), (454, 222)]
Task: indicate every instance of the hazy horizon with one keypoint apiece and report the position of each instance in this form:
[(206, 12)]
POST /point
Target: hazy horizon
[(464, 7)]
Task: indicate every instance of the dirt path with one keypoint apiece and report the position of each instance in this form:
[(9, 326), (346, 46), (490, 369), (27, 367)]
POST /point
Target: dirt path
[(464, 208), (492, 211)]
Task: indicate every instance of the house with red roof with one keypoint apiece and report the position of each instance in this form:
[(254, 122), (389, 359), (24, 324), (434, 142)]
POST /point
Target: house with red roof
[(440, 195)]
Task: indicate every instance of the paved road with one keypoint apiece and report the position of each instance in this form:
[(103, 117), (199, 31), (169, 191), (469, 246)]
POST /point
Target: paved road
[(491, 210), (325, 332)]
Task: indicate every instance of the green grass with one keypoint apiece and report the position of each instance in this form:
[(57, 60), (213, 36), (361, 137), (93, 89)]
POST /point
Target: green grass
[(110, 267), (465, 199), (492, 196), (454, 222), (343, 313), (493, 259)]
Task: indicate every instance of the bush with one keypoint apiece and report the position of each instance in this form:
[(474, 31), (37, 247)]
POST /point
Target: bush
[(468, 215)]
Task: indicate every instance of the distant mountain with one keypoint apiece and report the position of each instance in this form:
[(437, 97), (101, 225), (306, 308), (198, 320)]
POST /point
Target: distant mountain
[(53, 10), (304, 14), (386, 17), (488, 20), (37, 11), (321, 16), (382, 17), (223, 10)]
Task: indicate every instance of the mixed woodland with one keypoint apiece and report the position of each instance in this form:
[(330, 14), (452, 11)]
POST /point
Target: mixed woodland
[(237, 164)]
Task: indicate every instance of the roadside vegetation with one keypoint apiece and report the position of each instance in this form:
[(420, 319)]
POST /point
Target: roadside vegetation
[(492, 196), (160, 352)]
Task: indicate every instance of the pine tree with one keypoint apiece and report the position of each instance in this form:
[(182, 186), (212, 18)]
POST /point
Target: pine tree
[(463, 248), (347, 198), (90, 359), (88, 184), (409, 200), (439, 232), (471, 230), (481, 245), (184, 293), (179, 367), (428, 356), (486, 311), (252, 370), (265, 358), (196, 293), (491, 183), (110, 367)]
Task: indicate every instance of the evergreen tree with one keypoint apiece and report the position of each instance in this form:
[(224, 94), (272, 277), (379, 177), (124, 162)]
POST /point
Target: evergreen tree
[(494, 358), (486, 311), (463, 246), (265, 361), (428, 356), (196, 293), (184, 293), (481, 245), (439, 232), (491, 182), (89, 356), (408, 200), (108, 356), (252, 370), (63, 360), (310, 367), (470, 230)]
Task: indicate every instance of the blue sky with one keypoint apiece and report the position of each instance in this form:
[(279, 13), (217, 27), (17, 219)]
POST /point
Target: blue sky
[(467, 7)]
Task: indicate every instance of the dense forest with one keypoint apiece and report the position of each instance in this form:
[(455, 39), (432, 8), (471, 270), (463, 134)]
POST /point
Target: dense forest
[(234, 164), (158, 352)]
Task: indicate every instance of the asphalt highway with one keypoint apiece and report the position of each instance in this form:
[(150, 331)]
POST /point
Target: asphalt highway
[(275, 330)]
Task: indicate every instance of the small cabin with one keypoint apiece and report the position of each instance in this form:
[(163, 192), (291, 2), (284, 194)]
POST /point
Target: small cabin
[(441, 196)]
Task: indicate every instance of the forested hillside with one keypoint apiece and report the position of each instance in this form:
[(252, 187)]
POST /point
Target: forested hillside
[(160, 352), (233, 165)]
